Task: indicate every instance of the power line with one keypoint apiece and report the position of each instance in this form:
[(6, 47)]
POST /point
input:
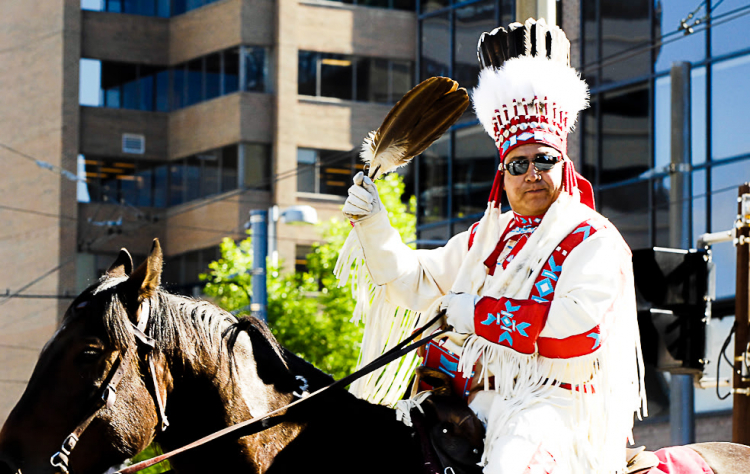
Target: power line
[(38, 213), (636, 50)]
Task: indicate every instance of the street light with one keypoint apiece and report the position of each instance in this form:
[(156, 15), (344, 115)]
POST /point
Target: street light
[(261, 239)]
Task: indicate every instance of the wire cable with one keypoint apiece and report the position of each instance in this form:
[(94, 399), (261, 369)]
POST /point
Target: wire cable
[(723, 354)]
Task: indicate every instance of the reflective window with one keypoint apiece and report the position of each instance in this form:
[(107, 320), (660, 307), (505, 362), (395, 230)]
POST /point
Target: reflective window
[(256, 163), (662, 122), (661, 206), (435, 41), (625, 29), (730, 26), (470, 22), (161, 8), (627, 207), (698, 115), (432, 5), (325, 171), (590, 41), (229, 176), (394, 4), (433, 183), (255, 69), (474, 165), (667, 17), (730, 99), (336, 75), (142, 87), (352, 78), (231, 70), (213, 76), (700, 210), (588, 130), (121, 181), (625, 134)]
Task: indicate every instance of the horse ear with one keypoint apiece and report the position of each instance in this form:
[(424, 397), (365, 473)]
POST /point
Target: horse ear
[(148, 274), (122, 266)]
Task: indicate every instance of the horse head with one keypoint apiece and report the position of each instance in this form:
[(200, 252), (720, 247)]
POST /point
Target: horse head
[(92, 374)]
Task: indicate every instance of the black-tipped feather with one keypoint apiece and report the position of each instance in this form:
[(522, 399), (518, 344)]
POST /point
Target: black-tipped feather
[(532, 33), (517, 41), (548, 43), (492, 50)]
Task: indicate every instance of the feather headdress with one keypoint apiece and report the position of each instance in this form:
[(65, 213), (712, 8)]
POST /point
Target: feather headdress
[(417, 120), (528, 93)]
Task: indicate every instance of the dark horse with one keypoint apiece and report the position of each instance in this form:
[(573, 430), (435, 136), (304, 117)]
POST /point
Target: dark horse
[(210, 371)]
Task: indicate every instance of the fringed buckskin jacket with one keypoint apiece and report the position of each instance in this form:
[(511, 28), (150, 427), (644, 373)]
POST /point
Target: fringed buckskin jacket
[(556, 317)]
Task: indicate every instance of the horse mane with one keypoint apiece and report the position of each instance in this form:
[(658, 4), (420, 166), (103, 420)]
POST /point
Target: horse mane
[(192, 331)]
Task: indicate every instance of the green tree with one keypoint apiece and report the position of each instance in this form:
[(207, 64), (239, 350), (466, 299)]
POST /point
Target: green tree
[(307, 311)]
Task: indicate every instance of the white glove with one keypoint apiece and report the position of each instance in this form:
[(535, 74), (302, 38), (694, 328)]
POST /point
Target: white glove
[(363, 201), (459, 311)]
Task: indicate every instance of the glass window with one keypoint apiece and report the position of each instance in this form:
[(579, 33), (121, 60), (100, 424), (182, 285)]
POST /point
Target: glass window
[(434, 236), (307, 160), (178, 87), (176, 183), (229, 168), (408, 5), (147, 84), (471, 22), (625, 134), (627, 207), (373, 3), (692, 48), (82, 187), (114, 77), (194, 81), (307, 73), (590, 45), (372, 80), (401, 79), (144, 177), (213, 76), (335, 172), (730, 98), (336, 73), (435, 54), (474, 169), (432, 5), (95, 5), (161, 95), (588, 127), (662, 187), (93, 178), (114, 6), (300, 257), (192, 178), (698, 115), (161, 187), (725, 180), (179, 7), (162, 8), (433, 182), (625, 28), (231, 70), (729, 36), (90, 82), (255, 69), (256, 158), (209, 177)]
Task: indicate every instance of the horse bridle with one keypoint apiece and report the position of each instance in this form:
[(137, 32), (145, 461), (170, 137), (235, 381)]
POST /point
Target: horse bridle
[(109, 394)]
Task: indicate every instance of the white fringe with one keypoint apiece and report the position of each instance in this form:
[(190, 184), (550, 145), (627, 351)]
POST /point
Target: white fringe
[(404, 407), (385, 326)]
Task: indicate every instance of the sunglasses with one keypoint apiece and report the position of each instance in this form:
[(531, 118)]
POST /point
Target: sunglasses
[(541, 163)]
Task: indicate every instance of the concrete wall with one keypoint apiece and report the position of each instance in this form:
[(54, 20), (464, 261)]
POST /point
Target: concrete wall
[(219, 122), (102, 129), (125, 38), (39, 95)]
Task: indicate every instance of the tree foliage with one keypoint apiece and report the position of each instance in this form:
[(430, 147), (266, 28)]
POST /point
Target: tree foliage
[(307, 311)]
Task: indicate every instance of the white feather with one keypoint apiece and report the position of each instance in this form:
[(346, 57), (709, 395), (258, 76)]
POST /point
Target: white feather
[(525, 78), (388, 160)]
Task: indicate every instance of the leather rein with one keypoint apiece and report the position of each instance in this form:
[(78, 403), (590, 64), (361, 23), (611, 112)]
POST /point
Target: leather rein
[(108, 396)]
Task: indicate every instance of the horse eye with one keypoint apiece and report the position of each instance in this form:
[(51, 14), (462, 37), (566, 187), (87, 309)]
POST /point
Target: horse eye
[(90, 354)]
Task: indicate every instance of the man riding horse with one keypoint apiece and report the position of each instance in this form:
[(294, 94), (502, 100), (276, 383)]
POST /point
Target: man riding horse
[(541, 298)]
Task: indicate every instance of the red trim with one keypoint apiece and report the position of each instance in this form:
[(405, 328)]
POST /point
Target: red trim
[(573, 346)]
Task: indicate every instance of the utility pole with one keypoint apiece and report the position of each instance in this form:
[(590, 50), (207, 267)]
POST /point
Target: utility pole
[(741, 408), (259, 229), (681, 389)]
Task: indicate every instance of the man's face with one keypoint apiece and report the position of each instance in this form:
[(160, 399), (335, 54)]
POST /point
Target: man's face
[(532, 193)]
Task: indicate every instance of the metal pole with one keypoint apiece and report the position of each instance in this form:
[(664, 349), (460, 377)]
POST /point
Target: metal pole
[(681, 390), (741, 408), (273, 243), (259, 229)]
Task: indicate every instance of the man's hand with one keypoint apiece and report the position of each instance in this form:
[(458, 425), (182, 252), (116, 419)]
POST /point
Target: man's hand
[(363, 201), (459, 311)]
